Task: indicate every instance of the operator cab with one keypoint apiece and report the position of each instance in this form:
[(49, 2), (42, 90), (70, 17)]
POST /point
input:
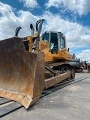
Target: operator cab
[(56, 40)]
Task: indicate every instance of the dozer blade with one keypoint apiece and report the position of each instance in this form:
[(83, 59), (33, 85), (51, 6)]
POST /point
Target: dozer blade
[(21, 72)]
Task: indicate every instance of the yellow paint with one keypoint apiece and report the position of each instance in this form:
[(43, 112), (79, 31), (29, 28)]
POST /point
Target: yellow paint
[(44, 46)]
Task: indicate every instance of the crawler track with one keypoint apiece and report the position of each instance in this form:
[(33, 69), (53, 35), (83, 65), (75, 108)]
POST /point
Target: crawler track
[(8, 106)]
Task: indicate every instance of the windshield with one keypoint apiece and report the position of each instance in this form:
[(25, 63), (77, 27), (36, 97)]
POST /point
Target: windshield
[(54, 42)]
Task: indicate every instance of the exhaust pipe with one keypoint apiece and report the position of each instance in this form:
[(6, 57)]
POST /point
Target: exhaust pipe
[(32, 29), (17, 31), (38, 29)]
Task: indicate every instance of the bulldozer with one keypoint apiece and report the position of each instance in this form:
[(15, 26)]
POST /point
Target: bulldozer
[(31, 64)]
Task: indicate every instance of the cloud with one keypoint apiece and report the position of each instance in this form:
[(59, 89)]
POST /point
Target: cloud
[(29, 3), (77, 36), (10, 19), (84, 55), (5, 9), (82, 7)]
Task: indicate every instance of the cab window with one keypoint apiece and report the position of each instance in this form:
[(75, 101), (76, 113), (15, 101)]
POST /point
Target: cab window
[(54, 42), (62, 42), (45, 37)]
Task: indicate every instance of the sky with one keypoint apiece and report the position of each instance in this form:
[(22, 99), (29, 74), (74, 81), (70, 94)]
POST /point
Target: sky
[(71, 17)]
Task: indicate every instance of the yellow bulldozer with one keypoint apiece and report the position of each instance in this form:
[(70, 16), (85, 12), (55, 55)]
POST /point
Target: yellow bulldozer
[(33, 63)]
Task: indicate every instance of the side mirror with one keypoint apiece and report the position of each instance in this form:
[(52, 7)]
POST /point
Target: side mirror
[(68, 49)]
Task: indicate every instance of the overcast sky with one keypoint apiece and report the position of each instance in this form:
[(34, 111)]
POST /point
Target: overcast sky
[(71, 17)]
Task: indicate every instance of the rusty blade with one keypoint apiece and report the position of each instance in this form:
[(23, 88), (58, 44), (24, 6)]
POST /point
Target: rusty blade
[(21, 72)]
